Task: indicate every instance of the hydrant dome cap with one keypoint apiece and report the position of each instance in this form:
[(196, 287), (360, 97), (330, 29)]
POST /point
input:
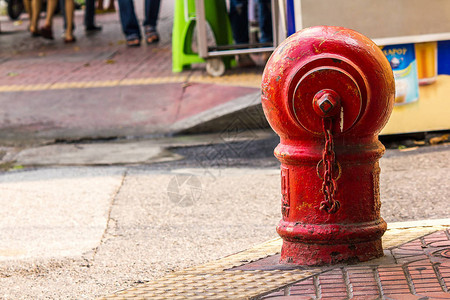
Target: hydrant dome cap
[(327, 47)]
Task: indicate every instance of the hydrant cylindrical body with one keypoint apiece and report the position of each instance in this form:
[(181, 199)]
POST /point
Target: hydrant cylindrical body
[(328, 92)]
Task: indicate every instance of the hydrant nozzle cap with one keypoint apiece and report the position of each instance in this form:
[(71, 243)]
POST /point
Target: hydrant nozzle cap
[(326, 103)]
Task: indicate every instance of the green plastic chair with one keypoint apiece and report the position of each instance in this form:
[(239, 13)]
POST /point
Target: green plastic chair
[(183, 30)]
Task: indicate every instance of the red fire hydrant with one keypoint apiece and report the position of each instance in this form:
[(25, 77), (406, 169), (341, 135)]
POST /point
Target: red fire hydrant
[(328, 92)]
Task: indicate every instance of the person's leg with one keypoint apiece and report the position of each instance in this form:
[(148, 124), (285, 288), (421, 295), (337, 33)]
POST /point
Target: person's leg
[(36, 6), (239, 20), (265, 21), (130, 25), (151, 19), (111, 6), (89, 13), (100, 5), (27, 6), (62, 6), (239, 27), (151, 12), (51, 6), (70, 8), (89, 16), (46, 30)]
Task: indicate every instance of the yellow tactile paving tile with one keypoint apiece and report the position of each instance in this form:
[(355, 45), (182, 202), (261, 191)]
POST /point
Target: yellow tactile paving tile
[(244, 79), (214, 280), (396, 237), (91, 84), (240, 79), (215, 285)]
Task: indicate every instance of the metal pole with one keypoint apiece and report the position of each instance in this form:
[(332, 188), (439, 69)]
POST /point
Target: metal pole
[(201, 28)]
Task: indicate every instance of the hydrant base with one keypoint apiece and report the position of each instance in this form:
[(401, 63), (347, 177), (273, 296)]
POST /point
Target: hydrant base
[(304, 254)]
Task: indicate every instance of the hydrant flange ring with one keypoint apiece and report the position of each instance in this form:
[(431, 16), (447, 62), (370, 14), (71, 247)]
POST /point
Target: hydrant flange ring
[(327, 78)]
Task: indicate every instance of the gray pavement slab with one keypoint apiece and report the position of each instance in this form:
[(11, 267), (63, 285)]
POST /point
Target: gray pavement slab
[(117, 152), (95, 154), (414, 184), (55, 213)]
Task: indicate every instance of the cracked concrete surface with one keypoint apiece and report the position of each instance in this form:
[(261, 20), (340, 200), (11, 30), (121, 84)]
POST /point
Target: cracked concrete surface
[(55, 213), (149, 234)]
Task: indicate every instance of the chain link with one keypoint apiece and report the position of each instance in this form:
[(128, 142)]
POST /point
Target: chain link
[(329, 186)]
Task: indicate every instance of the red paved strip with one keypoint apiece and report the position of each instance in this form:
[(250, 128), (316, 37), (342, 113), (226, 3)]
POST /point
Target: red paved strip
[(422, 272), (201, 97), (107, 112)]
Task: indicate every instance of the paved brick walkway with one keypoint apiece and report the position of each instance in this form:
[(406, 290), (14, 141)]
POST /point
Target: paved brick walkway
[(416, 265)]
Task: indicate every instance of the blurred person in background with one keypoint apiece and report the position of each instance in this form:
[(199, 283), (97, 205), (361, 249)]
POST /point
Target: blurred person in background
[(89, 16), (239, 25), (130, 24)]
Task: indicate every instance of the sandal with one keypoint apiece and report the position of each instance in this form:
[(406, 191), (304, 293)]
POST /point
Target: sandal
[(35, 33), (133, 42), (47, 33), (151, 36)]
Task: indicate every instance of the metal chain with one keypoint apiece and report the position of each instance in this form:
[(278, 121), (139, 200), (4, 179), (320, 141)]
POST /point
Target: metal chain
[(329, 186)]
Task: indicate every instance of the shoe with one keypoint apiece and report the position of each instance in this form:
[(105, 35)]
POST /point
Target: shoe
[(151, 35), (47, 33), (133, 42), (93, 28), (70, 41)]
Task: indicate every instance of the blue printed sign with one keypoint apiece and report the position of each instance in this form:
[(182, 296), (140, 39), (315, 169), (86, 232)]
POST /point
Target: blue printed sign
[(403, 62)]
